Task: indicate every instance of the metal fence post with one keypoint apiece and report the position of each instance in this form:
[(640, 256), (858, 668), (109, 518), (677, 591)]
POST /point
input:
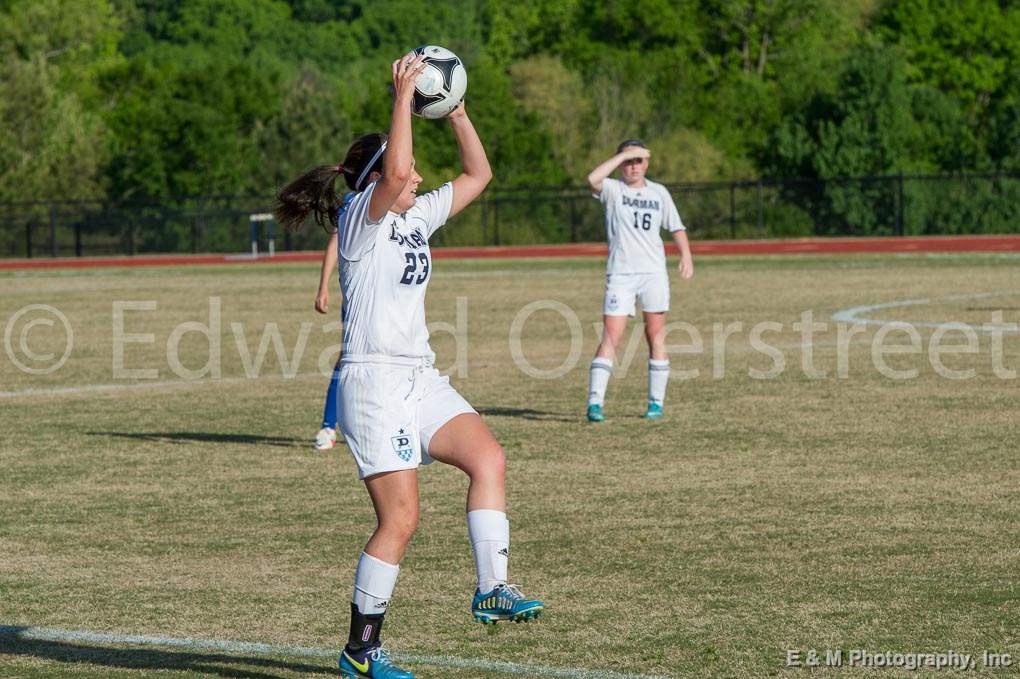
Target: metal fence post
[(573, 220), (53, 230), (77, 239), (495, 223), (733, 210), (899, 204), (28, 239), (761, 210), (485, 221)]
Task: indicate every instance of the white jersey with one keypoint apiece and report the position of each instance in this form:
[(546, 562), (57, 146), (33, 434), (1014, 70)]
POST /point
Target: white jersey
[(633, 220), (385, 268)]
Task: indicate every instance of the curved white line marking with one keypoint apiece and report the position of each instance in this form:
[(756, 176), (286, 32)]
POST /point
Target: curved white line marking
[(247, 647), (852, 315)]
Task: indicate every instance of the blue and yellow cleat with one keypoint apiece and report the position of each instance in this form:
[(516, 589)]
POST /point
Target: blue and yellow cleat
[(370, 663), (595, 413), (654, 411), (504, 602)]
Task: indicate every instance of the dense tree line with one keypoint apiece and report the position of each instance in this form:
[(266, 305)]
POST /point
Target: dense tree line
[(154, 98)]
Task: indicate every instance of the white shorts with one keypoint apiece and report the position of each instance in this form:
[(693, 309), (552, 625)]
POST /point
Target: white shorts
[(391, 408), (652, 289)]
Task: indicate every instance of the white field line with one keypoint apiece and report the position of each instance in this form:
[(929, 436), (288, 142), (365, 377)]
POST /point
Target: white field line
[(251, 648), (139, 386), (853, 315)]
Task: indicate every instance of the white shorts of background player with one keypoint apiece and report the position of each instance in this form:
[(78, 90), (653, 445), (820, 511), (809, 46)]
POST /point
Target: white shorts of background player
[(651, 289)]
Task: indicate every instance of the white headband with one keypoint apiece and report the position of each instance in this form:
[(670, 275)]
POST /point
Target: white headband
[(364, 173)]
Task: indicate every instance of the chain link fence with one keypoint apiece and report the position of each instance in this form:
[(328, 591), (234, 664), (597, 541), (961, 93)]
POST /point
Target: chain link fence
[(854, 206)]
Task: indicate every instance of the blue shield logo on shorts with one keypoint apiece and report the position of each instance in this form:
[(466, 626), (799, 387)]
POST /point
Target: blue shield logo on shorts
[(402, 446)]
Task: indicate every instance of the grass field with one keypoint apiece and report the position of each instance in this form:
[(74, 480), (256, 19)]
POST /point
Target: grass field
[(761, 515)]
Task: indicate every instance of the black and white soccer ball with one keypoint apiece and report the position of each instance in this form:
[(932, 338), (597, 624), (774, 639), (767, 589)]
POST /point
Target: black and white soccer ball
[(440, 87)]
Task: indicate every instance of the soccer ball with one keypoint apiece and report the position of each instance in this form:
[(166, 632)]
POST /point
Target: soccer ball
[(440, 87)]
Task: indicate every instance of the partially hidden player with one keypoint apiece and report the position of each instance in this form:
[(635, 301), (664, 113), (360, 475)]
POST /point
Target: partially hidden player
[(326, 438), (636, 209), (396, 411)]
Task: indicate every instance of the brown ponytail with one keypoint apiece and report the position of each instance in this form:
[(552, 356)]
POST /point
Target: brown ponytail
[(314, 192)]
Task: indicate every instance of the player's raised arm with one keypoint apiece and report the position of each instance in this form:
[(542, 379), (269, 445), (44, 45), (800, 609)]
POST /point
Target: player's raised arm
[(476, 173), (599, 174), (398, 159)]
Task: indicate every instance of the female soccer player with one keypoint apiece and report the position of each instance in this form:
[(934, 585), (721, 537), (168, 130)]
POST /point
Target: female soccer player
[(636, 208), (396, 411)]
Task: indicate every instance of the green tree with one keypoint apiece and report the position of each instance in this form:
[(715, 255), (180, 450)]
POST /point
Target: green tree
[(969, 51), (760, 61), (52, 55), (308, 129), (183, 97), (865, 129), (558, 97), (185, 121), (1004, 138), (51, 148), (518, 143), (966, 48), (201, 76)]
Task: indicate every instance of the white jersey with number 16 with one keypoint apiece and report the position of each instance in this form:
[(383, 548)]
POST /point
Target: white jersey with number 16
[(633, 220)]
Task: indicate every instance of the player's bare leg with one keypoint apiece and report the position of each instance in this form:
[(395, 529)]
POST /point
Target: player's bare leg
[(467, 443), (602, 365), (612, 333), (395, 498), (658, 363)]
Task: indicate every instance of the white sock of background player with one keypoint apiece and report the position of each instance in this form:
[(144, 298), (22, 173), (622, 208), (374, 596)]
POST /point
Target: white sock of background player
[(658, 376), (598, 379)]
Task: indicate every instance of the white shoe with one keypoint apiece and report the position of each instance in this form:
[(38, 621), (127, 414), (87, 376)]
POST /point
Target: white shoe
[(325, 439)]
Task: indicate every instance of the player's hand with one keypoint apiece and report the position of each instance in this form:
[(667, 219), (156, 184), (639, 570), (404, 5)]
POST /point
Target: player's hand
[(686, 268), (406, 70), (322, 301), (638, 152)]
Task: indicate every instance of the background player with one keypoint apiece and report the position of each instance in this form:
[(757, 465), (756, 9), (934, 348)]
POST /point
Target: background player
[(396, 411), (636, 208), (326, 438)]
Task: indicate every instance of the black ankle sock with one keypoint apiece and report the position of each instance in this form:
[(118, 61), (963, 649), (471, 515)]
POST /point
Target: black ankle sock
[(364, 630)]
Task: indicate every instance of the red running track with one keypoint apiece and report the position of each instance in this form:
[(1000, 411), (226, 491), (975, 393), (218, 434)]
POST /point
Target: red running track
[(820, 246)]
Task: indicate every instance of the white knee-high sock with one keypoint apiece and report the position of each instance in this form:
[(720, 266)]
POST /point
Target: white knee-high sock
[(489, 531), (598, 379), (373, 584), (658, 376)]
